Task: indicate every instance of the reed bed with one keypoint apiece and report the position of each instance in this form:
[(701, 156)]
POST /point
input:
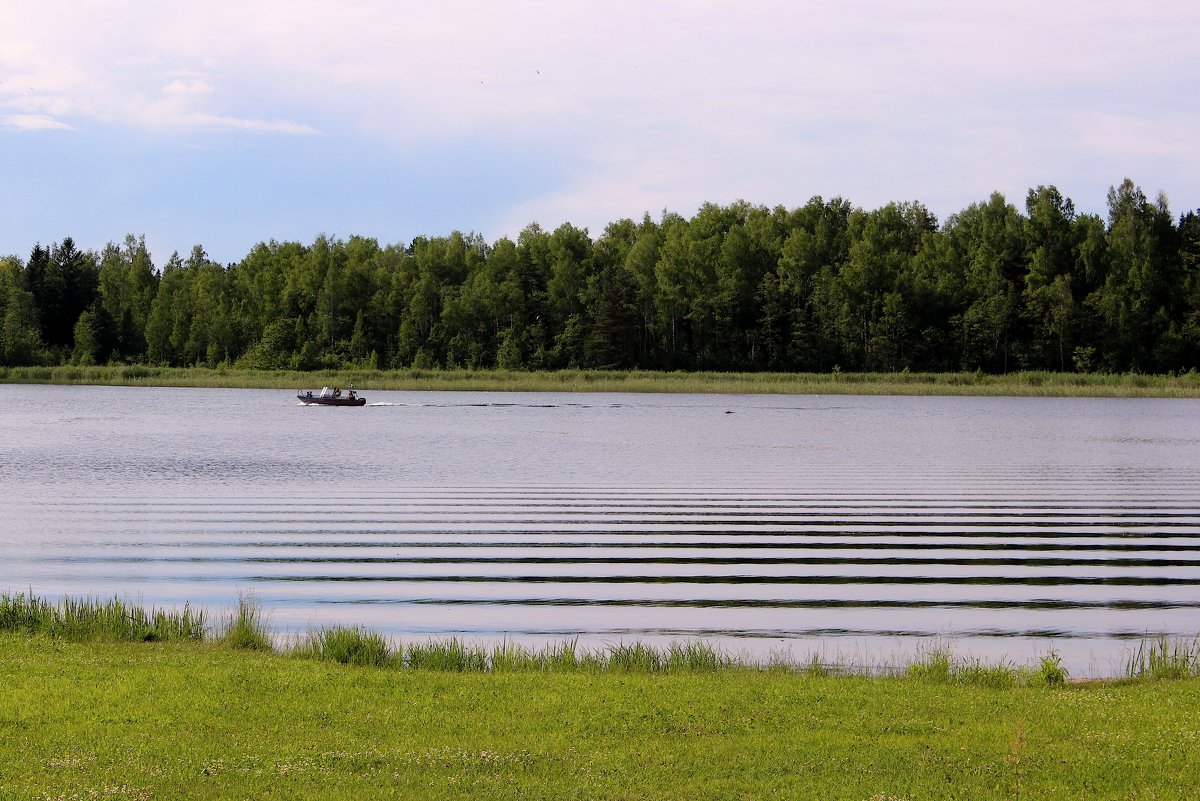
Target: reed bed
[(347, 646), (940, 665), (357, 646), (83, 619), (247, 627), (93, 619), (1164, 658), (1041, 384)]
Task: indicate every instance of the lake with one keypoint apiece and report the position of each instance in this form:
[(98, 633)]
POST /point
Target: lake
[(859, 528)]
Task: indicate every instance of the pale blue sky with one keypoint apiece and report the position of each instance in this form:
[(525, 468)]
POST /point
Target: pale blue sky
[(228, 123)]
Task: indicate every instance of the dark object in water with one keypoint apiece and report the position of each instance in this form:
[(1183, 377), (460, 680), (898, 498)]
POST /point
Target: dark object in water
[(331, 397)]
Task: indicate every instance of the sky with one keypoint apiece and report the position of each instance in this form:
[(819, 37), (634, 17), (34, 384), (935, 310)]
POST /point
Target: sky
[(228, 123)]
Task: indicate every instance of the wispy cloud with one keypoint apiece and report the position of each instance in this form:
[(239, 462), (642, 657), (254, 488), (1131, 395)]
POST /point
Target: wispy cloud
[(163, 88), (224, 122), (186, 103), (34, 122)]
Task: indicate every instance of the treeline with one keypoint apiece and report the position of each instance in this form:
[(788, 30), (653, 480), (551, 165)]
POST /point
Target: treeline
[(826, 286)]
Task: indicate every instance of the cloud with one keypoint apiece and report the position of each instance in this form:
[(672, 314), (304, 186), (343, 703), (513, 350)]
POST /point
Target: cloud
[(188, 87), (528, 66), (184, 104), (58, 65), (641, 106), (221, 122), (34, 122)]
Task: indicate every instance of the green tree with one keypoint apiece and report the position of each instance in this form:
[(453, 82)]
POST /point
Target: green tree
[(1049, 291), (207, 327), (749, 251), (872, 317), (990, 239), (164, 325), (570, 252), (796, 326), (277, 347), (20, 335), (614, 338), (734, 287), (63, 281), (640, 265), (93, 336), (1141, 290), (1189, 238), (127, 284)]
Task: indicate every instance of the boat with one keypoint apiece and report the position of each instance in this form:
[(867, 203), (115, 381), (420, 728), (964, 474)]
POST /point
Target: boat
[(331, 397)]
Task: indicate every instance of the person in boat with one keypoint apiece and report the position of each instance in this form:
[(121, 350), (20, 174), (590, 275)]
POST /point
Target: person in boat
[(337, 392)]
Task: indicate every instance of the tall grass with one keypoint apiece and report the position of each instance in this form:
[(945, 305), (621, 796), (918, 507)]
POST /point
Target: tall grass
[(560, 657), (939, 665), (88, 619), (83, 619), (247, 628), (453, 655), (1050, 670), (347, 646), (902, 383), (359, 647), (1164, 658)]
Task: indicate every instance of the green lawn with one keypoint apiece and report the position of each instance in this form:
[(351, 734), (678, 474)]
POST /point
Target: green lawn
[(201, 720)]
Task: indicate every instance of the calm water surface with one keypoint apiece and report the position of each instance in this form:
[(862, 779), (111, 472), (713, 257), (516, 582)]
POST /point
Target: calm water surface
[(853, 526)]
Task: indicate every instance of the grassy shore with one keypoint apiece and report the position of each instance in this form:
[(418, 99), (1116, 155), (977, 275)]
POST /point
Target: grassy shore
[(184, 720), (94, 707), (1022, 384)]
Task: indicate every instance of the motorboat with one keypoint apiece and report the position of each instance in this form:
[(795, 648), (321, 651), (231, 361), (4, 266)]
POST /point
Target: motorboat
[(331, 397)]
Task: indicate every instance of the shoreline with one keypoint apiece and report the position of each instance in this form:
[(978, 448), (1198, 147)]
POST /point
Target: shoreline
[(104, 719), (84, 619), (1028, 384)]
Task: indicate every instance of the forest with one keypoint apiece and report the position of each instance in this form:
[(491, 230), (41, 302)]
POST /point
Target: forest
[(819, 288)]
